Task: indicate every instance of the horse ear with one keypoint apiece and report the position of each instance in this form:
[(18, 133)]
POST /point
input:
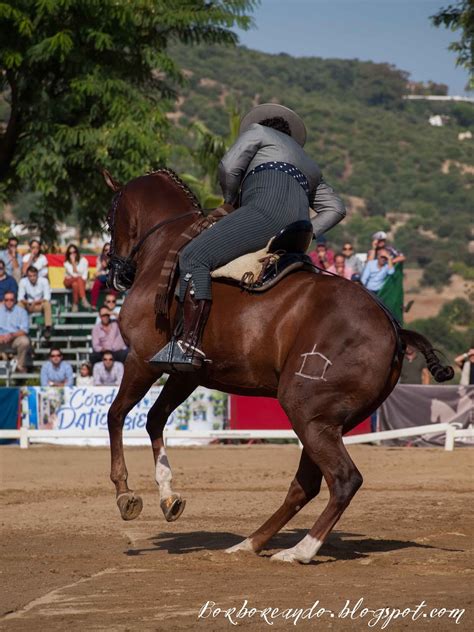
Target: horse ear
[(109, 180)]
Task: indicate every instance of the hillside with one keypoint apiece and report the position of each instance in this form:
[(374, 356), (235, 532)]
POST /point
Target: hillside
[(395, 170)]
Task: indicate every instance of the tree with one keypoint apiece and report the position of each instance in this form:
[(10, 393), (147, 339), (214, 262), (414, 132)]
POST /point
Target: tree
[(455, 17), (437, 274), (88, 84), (211, 148), (209, 151), (458, 312)]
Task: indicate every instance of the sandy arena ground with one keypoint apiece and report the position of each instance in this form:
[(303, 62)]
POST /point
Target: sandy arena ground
[(70, 563)]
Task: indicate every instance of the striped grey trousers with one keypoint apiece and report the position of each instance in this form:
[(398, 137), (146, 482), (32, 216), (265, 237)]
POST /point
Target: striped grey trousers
[(270, 201)]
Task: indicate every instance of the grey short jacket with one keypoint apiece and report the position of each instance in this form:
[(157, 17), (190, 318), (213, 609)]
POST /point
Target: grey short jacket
[(261, 144)]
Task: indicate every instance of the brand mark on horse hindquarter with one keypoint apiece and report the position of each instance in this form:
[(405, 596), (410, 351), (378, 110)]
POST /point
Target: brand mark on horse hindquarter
[(313, 366)]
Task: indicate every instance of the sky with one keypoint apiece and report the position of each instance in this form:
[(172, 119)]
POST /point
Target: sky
[(395, 31)]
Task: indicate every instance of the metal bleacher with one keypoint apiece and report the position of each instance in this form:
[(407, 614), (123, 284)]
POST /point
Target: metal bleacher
[(71, 332)]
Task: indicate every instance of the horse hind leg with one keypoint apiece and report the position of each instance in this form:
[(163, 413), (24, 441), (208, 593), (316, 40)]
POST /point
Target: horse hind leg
[(304, 487), (135, 384), (175, 391), (323, 443)]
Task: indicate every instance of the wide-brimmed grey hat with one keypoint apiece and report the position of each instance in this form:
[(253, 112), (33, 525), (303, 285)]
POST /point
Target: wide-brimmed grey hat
[(270, 110)]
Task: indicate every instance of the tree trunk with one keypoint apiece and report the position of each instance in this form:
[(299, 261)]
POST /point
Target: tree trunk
[(9, 138)]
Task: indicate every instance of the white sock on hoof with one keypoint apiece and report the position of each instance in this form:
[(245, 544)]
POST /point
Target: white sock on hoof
[(303, 552), (245, 545), (163, 475)]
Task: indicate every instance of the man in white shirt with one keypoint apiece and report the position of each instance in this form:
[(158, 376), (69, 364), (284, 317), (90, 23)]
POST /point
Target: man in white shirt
[(34, 294)]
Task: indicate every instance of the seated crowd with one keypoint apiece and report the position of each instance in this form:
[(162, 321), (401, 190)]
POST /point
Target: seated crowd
[(25, 290)]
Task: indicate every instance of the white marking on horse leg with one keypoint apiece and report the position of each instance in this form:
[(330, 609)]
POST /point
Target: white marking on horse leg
[(245, 545), (303, 552), (163, 474)]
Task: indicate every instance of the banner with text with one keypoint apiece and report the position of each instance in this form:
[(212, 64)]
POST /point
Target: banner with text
[(83, 411)]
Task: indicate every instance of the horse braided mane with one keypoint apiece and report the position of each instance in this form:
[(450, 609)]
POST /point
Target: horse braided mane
[(172, 175)]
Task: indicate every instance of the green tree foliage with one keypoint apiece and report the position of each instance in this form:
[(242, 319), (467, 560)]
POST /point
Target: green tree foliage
[(88, 83), (437, 273), (210, 148), (207, 153), (443, 330), (460, 16), (458, 312)]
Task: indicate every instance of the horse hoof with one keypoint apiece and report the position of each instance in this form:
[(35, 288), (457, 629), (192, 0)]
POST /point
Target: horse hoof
[(130, 505), (284, 556), (291, 555), (172, 507), (245, 545)]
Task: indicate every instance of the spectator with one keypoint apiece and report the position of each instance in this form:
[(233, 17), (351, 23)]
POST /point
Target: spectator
[(465, 362), (34, 294), (110, 302), (376, 271), (76, 269), (379, 240), (101, 271), (35, 258), (85, 375), (108, 372), (14, 330), (323, 256), (7, 283), (56, 372), (106, 337), (340, 267), (12, 259), (352, 260), (414, 369)]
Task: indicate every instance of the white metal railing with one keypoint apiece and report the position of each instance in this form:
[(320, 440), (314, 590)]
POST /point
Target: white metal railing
[(29, 435), (437, 97)]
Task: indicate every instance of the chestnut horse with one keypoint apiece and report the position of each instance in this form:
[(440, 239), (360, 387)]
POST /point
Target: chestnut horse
[(320, 344)]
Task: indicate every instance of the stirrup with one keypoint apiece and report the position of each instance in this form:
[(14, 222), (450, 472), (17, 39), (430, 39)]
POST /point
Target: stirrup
[(173, 358)]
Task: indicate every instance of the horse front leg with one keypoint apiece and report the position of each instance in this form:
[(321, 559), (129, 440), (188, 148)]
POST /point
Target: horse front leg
[(175, 391), (136, 382)]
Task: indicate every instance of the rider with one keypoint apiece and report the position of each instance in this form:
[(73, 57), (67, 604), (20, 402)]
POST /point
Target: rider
[(273, 181)]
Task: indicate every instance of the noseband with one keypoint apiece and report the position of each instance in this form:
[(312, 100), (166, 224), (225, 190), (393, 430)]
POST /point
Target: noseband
[(124, 268)]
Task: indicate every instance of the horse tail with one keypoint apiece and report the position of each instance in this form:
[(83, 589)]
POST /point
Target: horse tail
[(440, 372)]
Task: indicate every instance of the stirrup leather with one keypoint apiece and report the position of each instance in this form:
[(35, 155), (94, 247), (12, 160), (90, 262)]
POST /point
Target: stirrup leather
[(189, 349)]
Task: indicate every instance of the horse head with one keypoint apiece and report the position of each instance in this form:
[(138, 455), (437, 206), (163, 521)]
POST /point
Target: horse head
[(139, 209)]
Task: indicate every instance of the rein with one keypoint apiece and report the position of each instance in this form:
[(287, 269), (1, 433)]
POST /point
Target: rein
[(154, 228), (125, 267)]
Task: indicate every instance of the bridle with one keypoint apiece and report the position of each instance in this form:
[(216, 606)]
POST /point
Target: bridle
[(123, 269)]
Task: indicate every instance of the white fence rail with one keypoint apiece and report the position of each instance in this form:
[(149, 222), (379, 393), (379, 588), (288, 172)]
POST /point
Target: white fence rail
[(28, 435)]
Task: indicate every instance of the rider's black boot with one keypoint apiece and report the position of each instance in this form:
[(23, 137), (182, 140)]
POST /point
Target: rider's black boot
[(185, 353)]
